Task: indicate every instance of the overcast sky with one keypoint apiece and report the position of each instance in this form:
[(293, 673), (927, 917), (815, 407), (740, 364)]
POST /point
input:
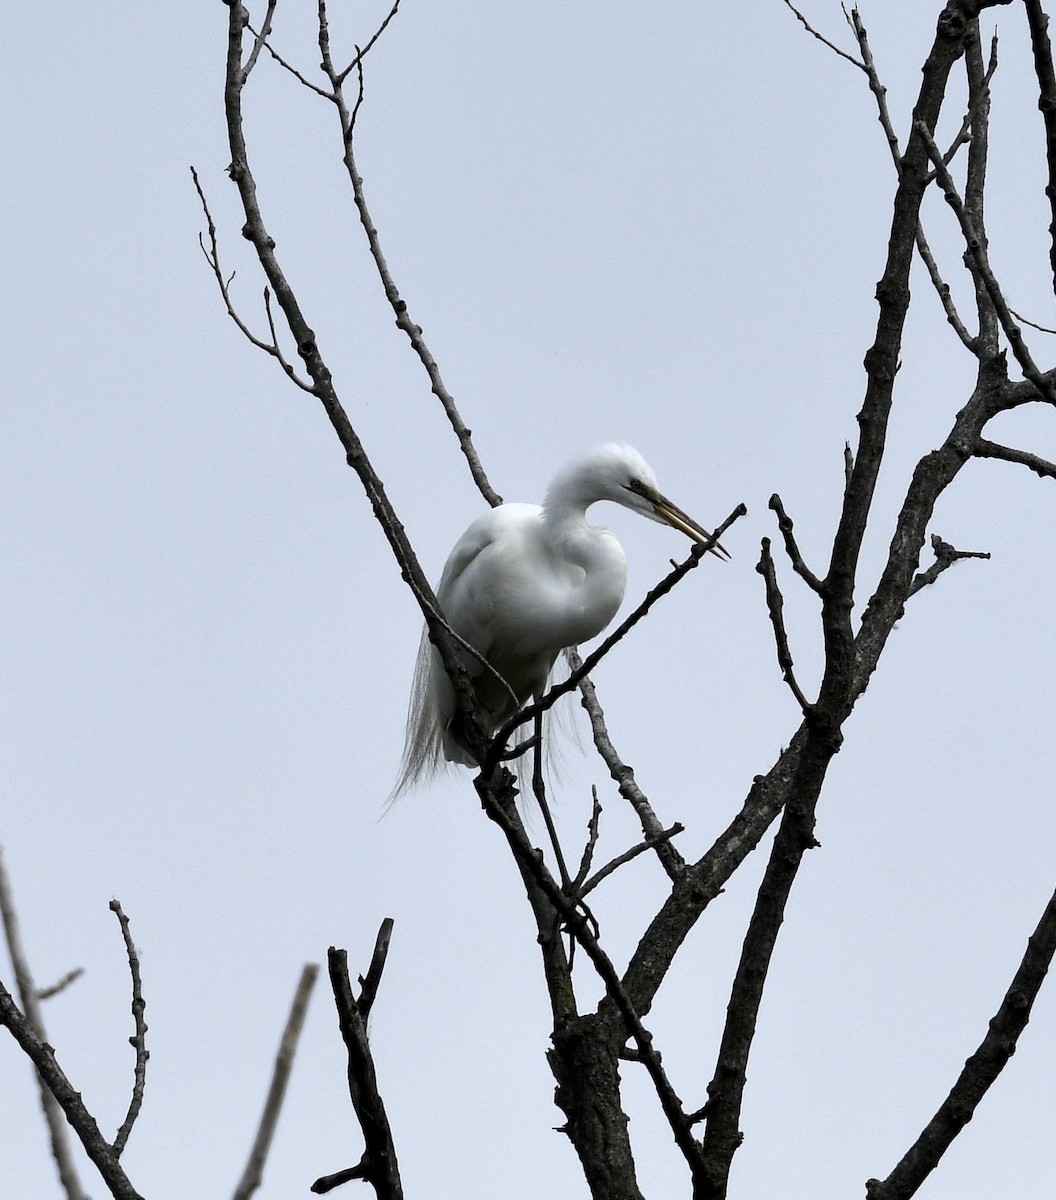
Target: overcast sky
[(653, 223)]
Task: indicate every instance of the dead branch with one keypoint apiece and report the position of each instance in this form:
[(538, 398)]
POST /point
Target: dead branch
[(593, 831), (322, 384), (32, 1026), (576, 923), (1040, 466), (976, 244), (1038, 21), (627, 856), (623, 775), (368, 984), (981, 1069), (253, 1175), (68, 1098), (786, 528), (378, 1165), (879, 91), (945, 556), (404, 321), (212, 257), (138, 1039), (60, 985), (775, 604), (821, 37)]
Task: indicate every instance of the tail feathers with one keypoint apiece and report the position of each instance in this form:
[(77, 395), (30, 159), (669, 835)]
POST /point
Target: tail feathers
[(427, 717), (431, 743)]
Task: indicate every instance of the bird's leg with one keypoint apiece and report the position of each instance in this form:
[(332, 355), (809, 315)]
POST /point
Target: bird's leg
[(567, 886), (539, 788)]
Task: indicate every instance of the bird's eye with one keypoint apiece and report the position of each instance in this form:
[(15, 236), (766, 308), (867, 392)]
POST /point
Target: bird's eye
[(635, 485)]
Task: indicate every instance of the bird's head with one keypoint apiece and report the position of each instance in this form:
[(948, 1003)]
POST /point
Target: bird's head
[(619, 473)]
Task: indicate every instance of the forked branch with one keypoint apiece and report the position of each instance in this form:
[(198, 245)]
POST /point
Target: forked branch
[(378, 1164)]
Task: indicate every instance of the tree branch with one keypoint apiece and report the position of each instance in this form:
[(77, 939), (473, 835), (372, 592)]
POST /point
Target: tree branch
[(378, 1165), (138, 1040), (627, 856), (977, 250), (322, 385), (61, 985), (726, 1089), (980, 1071), (784, 525), (942, 288), (775, 604), (882, 361), (623, 776), (945, 556), (253, 1175), (1038, 21), (531, 863), (404, 320), (81, 1120), (32, 1027), (1040, 466)]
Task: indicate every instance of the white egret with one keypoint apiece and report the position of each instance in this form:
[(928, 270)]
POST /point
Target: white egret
[(523, 583)]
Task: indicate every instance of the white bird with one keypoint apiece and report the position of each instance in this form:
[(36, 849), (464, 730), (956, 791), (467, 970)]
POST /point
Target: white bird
[(522, 584)]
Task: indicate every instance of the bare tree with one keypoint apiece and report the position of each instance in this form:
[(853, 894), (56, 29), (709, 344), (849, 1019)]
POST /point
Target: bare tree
[(589, 1044)]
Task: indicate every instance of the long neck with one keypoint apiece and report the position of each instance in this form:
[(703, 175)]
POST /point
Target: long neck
[(595, 564)]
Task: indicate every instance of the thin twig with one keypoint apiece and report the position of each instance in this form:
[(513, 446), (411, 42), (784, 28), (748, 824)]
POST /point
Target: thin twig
[(787, 530), (58, 1085), (623, 775), (868, 64), (253, 1175), (945, 556), (1032, 324), (593, 830), (988, 342), (980, 96), (61, 985), (404, 320), (942, 288), (604, 872), (821, 38), (212, 257), (259, 41), (775, 604), (138, 1041), (286, 66), (362, 53), (539, 792), (977, 251)]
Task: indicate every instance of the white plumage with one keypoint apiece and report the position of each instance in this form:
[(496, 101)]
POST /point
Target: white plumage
[(523, 583)]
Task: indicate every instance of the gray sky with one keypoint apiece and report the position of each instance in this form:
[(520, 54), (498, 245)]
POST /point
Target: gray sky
[(660, 224)]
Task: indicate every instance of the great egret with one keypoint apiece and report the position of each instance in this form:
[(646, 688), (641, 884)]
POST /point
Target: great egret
[(522, 584)]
